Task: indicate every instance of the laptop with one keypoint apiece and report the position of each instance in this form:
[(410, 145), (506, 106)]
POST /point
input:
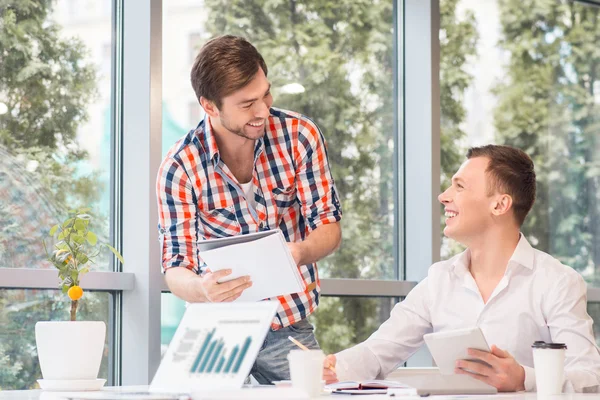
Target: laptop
[(214, 347)]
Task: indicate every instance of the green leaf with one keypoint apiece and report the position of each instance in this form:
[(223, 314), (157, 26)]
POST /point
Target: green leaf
[(83, 271), (53, 230), (116, 253), (79, 225), (67, 222), (65, 289), (77, 238), (92, 238)]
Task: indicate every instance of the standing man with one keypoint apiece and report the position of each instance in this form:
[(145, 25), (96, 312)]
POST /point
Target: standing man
[(513, 292), (247, 167)]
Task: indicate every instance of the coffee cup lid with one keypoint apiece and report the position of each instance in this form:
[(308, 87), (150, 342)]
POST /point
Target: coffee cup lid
[(543, 345)]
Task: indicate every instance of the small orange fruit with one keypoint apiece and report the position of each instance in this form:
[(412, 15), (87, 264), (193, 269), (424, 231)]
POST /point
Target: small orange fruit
[(75, 292)]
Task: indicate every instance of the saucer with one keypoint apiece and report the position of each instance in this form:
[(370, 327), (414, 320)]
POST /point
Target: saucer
[(65, 385)]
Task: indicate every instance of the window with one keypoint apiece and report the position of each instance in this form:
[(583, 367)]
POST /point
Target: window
[(338, 67), (19, 311), (529, 79), (55, 154)]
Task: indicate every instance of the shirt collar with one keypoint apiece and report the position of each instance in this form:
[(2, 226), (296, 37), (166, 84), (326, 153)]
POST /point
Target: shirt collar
[(523, 255), (211, 141)]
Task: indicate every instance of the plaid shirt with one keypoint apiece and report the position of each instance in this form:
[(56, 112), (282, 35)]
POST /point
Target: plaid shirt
[(199, 198)]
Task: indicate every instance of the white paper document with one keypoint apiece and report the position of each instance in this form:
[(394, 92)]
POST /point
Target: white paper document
[(264, 256)]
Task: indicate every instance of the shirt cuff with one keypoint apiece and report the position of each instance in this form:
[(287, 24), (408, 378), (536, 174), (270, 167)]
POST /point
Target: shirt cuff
[(529, 379)]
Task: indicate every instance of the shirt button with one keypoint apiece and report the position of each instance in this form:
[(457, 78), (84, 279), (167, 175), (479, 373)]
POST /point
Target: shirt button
[(262, 225)]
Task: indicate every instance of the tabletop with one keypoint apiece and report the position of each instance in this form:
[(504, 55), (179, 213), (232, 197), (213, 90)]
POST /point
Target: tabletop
[(140, 393)]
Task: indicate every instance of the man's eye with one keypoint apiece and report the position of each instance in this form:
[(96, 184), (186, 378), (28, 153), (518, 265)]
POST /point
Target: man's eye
[(459, 186), (247, 107)]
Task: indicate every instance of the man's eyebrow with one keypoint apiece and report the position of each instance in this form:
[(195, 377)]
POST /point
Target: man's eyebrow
[(253, 100)]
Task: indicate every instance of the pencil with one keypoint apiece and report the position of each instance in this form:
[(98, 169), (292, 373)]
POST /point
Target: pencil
[(303, 347)]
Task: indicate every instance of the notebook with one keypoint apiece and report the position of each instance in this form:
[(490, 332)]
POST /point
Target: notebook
[(264, 256), (368, 387)]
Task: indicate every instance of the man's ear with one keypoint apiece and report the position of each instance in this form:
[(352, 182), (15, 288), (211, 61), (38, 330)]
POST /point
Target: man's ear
[(209, 107), (502, 204)]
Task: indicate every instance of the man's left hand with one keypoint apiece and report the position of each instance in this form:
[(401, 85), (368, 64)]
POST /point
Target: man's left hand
[(296, 250), (503, 372)]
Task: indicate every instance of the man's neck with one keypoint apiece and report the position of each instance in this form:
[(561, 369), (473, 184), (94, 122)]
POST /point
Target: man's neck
[(231, 146), (491, 252)]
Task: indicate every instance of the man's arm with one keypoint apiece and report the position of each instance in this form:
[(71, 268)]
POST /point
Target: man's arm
[(393, 343), (569, 322), (177, 213), (319, 244), (193, 288)]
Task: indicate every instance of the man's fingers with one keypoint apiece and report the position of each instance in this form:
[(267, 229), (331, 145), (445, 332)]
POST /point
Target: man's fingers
[(232, 298), (215, 276), (240, 284), (483, 356), (476, 367), (236, 291), (482, 378), (498, 352)]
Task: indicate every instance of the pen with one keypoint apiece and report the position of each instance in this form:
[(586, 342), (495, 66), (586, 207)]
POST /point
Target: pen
[(303, 347)]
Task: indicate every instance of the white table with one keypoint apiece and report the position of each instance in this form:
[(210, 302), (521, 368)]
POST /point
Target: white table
[(255, 394)]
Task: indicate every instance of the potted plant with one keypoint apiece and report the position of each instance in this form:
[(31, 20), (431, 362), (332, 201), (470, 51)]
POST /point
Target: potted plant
[(75, 247)]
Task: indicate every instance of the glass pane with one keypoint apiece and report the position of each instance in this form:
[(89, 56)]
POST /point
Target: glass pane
[(529, 77), (337, 67), (55, 122), (594, 310), (172, 309), (20, 310), (340, 322)]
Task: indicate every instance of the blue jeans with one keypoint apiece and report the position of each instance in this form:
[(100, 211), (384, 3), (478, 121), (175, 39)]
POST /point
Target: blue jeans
[(271, 363)]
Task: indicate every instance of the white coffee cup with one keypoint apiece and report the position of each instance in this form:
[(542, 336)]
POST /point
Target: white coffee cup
[(549, 364), (306, 371)]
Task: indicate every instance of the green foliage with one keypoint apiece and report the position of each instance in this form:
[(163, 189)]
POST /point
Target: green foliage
[(549, 106), (46, 82), (342, 53), (76, 246)]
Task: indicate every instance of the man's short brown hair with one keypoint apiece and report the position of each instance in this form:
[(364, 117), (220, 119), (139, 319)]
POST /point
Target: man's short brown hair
[(224, 65), (510, 171)]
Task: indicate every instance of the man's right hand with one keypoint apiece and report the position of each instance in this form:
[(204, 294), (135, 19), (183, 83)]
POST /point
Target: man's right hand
[(329, 374), (215, 292)]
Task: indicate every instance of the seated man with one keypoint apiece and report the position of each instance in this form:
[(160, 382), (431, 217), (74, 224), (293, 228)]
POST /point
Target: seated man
[(513, 292)]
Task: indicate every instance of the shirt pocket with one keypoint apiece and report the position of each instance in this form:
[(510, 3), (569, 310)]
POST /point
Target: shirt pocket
[(219, 222), (284, 197)]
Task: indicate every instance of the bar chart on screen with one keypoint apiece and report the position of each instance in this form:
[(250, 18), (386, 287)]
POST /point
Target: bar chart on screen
[(216, 357), (214, 346)]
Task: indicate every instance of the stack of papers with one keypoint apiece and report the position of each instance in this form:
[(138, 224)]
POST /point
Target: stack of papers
[(264, 256)]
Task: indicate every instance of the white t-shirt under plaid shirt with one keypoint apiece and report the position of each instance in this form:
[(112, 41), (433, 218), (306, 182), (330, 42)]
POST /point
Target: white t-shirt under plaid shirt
[(199, 198)]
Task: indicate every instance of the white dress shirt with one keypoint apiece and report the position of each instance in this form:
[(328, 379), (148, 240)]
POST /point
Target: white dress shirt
[(537, 299)]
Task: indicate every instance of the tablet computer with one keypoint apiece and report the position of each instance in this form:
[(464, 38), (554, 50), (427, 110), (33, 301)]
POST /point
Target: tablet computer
[(448, 346)]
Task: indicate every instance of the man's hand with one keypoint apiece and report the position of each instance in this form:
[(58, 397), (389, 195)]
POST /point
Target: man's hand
[(215, 292), (329, 374), (503, 372), (296, 250)]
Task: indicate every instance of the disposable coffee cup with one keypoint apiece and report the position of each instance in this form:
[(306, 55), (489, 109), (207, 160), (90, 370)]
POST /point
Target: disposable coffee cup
[(306, 371), (549, 364)]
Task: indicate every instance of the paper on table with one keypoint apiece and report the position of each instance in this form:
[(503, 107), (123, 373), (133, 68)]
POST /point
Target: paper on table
[(266, 259)]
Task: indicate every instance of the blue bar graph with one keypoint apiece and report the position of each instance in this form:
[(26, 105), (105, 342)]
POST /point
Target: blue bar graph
[(220, 365), (242, 354), (202, 350), (231, 359), (214, 356)]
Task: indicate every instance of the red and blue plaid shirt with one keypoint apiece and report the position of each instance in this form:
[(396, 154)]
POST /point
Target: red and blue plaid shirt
[(199, 198)]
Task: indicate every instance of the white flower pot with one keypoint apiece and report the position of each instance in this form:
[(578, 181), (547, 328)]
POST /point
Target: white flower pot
[(70, 349)]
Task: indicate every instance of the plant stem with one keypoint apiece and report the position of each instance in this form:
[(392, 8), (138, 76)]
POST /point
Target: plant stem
[(74, 309)]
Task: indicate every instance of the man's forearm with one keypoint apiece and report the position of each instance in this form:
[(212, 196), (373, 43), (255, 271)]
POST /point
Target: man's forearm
[(320, 243), (180, 281)]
